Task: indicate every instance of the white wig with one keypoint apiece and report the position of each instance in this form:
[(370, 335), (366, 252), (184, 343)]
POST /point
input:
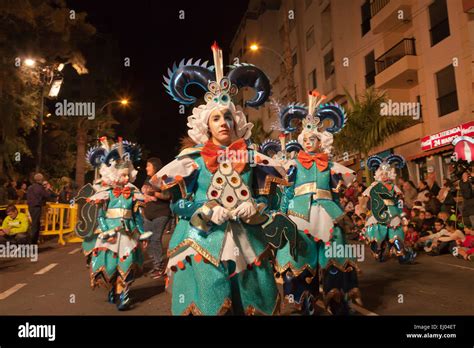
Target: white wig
[(198, 122), (385, 169), (110, 175), (325, 138)]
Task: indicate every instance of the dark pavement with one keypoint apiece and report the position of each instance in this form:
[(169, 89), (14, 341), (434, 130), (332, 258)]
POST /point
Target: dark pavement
[(440, 285)]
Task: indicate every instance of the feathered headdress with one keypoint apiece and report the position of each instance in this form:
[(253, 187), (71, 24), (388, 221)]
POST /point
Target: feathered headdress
[(219, 91), (119, 154), (329, 117), (385, 166)]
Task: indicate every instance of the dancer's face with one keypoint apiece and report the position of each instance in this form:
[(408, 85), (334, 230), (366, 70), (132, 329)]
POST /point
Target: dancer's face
[(123, 177), (222, 127), (311, 143)]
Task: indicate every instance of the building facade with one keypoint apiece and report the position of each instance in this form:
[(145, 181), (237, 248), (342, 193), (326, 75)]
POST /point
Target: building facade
[(420, 52)]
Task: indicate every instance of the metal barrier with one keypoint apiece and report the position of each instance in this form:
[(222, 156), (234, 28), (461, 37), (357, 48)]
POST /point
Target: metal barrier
[(57, 219)]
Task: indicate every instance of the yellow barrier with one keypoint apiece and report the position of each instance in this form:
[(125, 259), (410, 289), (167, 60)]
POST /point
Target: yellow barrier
[(58, 219)]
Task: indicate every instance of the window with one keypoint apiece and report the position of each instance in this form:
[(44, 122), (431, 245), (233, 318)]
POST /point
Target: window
[(309, 38), (312, 81), (294, 59), (325, 27), (307, 3), (329, 64), (439, 21), (369, 69), (365, 14), (447, 95)]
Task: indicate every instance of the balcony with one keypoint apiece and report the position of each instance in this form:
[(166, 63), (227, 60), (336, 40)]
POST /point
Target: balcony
[(397, 68), (385, 15)]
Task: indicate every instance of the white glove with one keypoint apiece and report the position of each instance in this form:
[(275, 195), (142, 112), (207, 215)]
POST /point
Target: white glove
[(245, 210), (219, 215)]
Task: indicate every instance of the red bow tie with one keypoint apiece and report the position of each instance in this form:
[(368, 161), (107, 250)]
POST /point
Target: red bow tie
[(307, 160), (236, 153), (126, 192)]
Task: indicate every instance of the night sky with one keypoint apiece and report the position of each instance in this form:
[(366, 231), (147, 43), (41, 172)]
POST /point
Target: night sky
[(152, 35)]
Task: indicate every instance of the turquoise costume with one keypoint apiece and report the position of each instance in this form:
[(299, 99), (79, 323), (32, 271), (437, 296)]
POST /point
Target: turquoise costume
[(383, 228), (206, 279), (311, 201), (219, 252), (116, 256)]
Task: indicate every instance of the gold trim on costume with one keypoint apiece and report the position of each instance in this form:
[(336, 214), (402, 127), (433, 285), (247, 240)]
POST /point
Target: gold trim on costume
[(194, 309), (117, 213), (311, 187), (179, 182), (295, 271), (191, 243), (269, 179)]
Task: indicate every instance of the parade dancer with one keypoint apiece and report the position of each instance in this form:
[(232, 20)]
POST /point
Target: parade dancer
[(218, 254), (117, 254), (312, 203), (383, 230)]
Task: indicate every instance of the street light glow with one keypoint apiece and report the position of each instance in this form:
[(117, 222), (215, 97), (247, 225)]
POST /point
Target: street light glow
[(124, 102), (30, 62), (254, 47)]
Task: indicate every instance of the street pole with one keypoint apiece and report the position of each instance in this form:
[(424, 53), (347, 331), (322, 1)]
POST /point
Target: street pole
[(40, 132)]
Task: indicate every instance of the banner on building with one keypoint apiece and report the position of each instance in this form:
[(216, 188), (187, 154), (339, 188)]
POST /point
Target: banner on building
[(446, 137)]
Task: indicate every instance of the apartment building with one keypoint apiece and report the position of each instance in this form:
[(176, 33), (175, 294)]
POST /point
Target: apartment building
[(419, 51)]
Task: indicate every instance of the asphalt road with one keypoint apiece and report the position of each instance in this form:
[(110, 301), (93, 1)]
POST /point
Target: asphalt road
[(441, 285)]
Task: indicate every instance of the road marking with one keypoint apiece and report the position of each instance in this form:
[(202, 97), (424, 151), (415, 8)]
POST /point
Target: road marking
[(74, 251), (11, 291), (450, 264), (46, 269)]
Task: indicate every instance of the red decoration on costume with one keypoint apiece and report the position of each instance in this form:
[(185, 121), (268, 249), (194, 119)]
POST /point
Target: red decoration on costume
[(211, 153), (126, 192), (307, 160)]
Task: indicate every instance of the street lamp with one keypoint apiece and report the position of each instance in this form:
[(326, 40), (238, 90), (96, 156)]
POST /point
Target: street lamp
[(256, 47), (49, 75)]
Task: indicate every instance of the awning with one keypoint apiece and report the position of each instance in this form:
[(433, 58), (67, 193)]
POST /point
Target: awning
[(431, 152)]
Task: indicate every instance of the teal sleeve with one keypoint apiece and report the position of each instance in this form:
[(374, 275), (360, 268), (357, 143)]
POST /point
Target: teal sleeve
[(184, 208), (288, 194), (102, 220)]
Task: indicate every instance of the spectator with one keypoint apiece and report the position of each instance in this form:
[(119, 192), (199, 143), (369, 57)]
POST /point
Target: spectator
[(411, 235), (466, 246), (446, 196), (14, 227), (3, 192), (428, 223), (351, 192), (433, 203), (11, 191), (422, 192), (66, 195), (409, 192), (426, 241), (417, 217), (22, 192), (467, 192), (446, 243), (157, 213), (53, 196), (433, 186), (36, 196)]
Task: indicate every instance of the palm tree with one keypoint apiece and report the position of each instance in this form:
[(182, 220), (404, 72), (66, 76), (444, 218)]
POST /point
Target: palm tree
[(366, 128), (259, 134)]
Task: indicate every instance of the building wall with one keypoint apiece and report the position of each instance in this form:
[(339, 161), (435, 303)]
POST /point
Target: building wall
[(350, 48)]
